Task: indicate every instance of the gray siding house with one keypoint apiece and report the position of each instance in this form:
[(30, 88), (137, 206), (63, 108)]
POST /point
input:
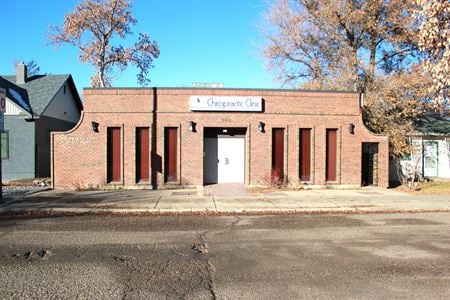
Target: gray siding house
[(35, 106)]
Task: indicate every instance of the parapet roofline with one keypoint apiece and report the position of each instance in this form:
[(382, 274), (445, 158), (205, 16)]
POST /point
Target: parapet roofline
[(222, 89)]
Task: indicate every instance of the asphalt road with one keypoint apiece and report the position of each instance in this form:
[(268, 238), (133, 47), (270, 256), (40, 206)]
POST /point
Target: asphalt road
[(268, 257)]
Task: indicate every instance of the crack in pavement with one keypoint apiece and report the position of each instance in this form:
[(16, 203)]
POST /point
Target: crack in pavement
[(271, 202), (157, 202), (210, 269), (211, 282), (128, 279), (181, 275), (214, 201)]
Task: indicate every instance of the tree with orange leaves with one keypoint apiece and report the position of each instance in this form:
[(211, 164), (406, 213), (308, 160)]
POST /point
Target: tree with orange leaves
[(434, 40), (368, 46)]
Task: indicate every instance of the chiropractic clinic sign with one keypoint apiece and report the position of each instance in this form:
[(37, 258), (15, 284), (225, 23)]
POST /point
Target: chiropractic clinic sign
[(225, 103)]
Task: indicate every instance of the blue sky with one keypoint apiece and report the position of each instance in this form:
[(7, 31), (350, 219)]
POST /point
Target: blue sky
[(200, 41)]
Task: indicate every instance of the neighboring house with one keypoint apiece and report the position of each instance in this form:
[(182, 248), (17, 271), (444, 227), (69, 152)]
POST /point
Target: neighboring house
[(35, 106), (431, 158)]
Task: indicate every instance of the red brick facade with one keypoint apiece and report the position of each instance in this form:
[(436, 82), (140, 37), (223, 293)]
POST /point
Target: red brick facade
[(79, 156)]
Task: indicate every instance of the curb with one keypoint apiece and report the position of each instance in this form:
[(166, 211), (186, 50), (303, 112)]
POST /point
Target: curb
[(201, 212)]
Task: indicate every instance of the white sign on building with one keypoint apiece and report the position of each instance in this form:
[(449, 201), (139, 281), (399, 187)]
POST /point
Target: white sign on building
[(225, 103)]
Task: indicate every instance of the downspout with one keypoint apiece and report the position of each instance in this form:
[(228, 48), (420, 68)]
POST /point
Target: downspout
[(422, 161)]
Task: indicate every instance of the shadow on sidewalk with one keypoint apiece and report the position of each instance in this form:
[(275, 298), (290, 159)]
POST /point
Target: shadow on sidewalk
[(73, 199)]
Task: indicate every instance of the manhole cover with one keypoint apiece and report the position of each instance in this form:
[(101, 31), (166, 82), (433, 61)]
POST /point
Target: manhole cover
[(191, 193)]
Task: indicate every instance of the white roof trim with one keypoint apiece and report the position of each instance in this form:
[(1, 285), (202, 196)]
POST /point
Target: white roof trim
[(16, 107)]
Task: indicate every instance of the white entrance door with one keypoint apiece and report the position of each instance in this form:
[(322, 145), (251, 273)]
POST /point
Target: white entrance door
[(430, 159), (231, 160)]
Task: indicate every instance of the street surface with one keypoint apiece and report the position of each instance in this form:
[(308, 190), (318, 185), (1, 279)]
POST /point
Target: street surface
[(379, 256)]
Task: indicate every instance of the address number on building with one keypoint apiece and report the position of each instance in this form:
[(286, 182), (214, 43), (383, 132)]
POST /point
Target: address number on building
[(2, 100), (225, 103)]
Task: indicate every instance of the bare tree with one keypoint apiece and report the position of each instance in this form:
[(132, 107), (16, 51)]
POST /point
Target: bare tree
[(32, 67), (363, 45), (92, 28), (339, 44)]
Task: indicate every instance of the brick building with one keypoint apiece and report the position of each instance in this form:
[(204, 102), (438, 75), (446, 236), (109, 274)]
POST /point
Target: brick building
[(159, 137)]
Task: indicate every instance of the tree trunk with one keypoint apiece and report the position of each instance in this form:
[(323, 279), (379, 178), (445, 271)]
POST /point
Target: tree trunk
[(354, 62), (373, 51), (101, 76), (102, 61), (371, 75)]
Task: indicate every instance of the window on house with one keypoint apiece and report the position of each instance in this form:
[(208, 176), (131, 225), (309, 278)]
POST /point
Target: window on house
[(406, 157), (5, 145)]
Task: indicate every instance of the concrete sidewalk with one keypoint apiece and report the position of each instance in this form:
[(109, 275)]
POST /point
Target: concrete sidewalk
[(371, 200)]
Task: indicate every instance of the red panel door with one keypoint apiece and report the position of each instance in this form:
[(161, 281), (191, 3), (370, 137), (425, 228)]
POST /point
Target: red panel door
[(142, 154), (305, 154), (170, 159), (331, 154), (114, 161), (277, 154)]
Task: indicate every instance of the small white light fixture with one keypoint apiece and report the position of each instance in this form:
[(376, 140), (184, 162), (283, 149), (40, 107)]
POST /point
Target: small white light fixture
[(261, 127), (225, 130)]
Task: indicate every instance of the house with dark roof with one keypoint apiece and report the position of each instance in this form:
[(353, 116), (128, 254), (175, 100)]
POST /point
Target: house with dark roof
[(35, 106), (431, 155)]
